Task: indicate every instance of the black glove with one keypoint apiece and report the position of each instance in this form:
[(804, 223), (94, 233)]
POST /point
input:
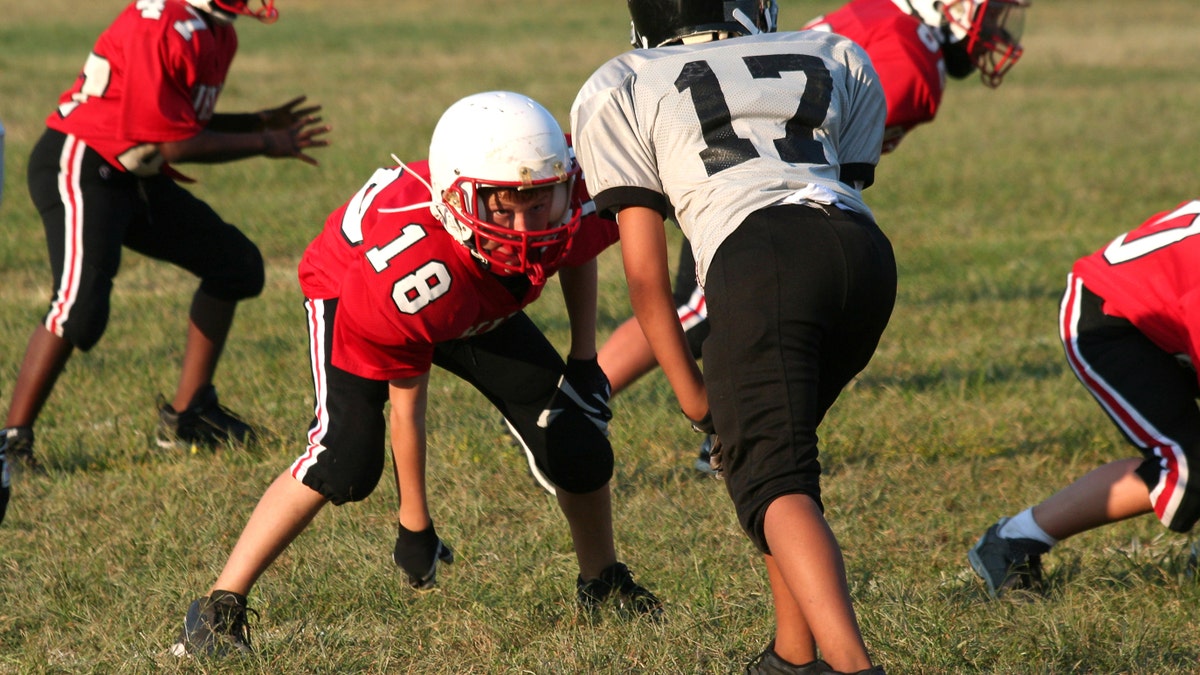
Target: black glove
[(704, 426), (586, 386), (418, 554)]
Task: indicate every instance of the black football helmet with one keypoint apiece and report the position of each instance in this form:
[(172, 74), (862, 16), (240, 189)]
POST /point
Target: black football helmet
[(662, 22)]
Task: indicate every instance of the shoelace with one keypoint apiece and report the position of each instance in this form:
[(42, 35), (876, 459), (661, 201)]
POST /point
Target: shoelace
[(237, 620)]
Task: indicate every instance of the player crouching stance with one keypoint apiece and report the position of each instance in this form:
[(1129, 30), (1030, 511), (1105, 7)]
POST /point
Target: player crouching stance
[(399, 281), (759, 144)]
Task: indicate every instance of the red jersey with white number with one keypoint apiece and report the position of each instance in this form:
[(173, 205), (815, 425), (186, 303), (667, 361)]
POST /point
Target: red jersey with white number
[(404, 284), (907, 57), (1151, 277), (153, 76)]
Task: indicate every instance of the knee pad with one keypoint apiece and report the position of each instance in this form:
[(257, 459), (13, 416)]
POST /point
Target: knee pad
[(577, 458), (87, 317), (240, 275), (341, 482)]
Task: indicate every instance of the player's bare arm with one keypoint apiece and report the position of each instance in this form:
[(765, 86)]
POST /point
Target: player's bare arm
[(214, 147), (644, 253), (409, 399), (579, 285)]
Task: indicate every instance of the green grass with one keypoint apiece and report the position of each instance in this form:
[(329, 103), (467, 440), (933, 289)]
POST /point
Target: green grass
[(967, 413)]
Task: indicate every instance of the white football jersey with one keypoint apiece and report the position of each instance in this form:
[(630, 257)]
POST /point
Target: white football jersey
[(710, 133)]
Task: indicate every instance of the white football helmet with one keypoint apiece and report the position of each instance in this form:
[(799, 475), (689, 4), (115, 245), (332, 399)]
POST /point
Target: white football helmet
[(228, 10), (501, 139), (989, 30)]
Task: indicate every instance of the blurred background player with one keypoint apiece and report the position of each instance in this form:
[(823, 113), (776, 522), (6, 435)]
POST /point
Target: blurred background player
[(431, 264), (102, 178), (1130, 325), (759, 144), (913, 45), (4, 475)]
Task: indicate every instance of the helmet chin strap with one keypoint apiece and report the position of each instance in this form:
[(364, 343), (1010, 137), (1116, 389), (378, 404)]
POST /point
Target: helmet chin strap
[(747, 22)]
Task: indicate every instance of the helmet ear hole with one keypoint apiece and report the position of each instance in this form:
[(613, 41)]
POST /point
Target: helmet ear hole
[(560, 201)]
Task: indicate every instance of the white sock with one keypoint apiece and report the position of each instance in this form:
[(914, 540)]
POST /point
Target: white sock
[(1023, 526)]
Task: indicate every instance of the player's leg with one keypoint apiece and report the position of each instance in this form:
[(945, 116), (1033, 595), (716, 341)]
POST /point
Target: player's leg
[(230, 269), (209, 321), (46, 356), (1150, 397), (778, 302), (1105, 495), (518, 370), (282, 513), (85, 207), (812, 599), (342, 462)]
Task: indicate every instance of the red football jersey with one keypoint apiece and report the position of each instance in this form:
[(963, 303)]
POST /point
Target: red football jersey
[(906, 54), (404, 284), (153, 76), (1151, 277)]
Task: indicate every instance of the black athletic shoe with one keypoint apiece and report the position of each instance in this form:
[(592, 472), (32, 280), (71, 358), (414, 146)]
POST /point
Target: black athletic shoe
[(616, 581), (16, 443), (215, 625), (769, 663), (1007, 564), (205, 424)]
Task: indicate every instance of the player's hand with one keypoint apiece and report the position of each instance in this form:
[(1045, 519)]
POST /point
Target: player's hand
[(286, 115), (584, 385), (295, 139), (418, 554)]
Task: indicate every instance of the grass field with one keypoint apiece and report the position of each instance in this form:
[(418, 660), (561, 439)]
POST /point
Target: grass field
[(967, 413)]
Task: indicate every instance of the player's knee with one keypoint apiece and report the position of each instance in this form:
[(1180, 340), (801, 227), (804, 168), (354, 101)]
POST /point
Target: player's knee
[(351, 480), (86, 323), (579, 458), (351, 487), (752, 509), (241, 275)]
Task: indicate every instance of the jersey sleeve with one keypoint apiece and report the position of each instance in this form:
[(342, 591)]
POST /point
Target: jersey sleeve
[(615, 157), (862, 130)]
